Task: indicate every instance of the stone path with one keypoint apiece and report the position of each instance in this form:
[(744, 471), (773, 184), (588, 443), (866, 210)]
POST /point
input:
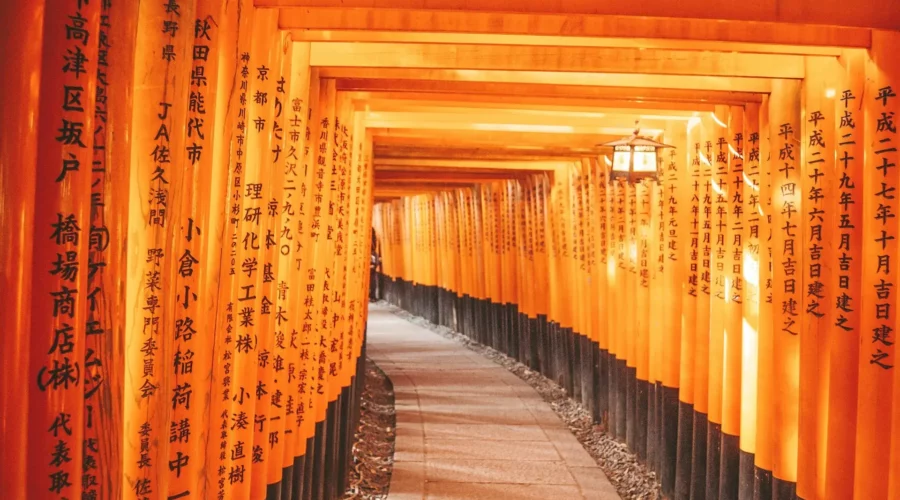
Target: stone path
[(467, 428)]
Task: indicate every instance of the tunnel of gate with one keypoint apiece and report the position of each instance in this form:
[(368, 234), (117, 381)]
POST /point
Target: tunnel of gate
[(715, 352)]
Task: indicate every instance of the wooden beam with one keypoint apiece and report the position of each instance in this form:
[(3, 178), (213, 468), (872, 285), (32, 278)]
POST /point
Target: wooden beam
[(514, 90), (398, 98), (427, 172), (416, 142), (642, 81), (556, 59), (535, 166), (483, 154), (439, 183), (521, 121), (397, 191), (320, 35), (862, 13), (470, 19), (462, 106), (460, 179)]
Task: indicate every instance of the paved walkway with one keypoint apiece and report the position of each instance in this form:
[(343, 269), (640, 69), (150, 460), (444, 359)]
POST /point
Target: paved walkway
[(467, 428)]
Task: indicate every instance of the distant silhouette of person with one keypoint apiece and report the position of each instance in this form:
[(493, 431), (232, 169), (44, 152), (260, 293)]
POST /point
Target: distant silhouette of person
[(374, 269)]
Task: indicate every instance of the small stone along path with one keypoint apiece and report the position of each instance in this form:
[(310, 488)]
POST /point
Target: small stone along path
[(467, 428)]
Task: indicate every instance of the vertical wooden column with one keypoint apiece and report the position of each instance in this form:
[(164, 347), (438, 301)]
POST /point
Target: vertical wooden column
[(513, 259), (843, 333), (18, 169), (542, 264), (600, 204), (630, 309), (252, 303), (487, 249), (817, 174), (59, 179), (276, 269), (294, 209), (656, 335), (318, 272), (158, 161), (524, 245), (306, 377), (581, 273), (787, 256), (481, 268), (702, 335), (223, 452), (465, 259), (750, 267), (104, 363), (554, 256), (321, 263), (336, 232), (877, 359), (582, 380), (643, 240), (719, 307), (368, 199), (190, 214), (765, 422), (732, 348), (591, 351), (617, 288), (691, 253), (676, 224)]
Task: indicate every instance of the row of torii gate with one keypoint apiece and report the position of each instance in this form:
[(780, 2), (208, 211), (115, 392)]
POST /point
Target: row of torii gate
[(188, 188)]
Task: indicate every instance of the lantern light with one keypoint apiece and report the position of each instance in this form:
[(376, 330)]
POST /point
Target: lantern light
[(635, 158)]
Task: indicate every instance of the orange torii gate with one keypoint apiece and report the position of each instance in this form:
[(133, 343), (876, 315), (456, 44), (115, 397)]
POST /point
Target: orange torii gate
[(706, 318), (172, 236), (188, 188)]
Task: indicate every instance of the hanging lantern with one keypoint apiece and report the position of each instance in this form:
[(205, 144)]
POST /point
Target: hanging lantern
[(635, 158)]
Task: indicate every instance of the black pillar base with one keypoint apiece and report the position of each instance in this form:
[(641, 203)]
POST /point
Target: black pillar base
[(762, 484), (713, 459), (603, 381), (748, 470), (287, 482), (523, 332), (330, 465), (497, 325), (652, 428), (542, 325), (318, 473), (553, 351), (668, 451), (641, 417), (684, 452), (783, 490), (309, 467), (729, 467), (573, 362), (621, 400), (630, 406), (298, 480), (597, 383), (698, 462), (273, 491), (534, 345)]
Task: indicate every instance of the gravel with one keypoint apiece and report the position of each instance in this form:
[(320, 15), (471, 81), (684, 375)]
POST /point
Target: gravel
[(373, 448), (632, 479)]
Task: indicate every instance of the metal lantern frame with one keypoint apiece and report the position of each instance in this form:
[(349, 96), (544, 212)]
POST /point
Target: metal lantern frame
[(630, 146)]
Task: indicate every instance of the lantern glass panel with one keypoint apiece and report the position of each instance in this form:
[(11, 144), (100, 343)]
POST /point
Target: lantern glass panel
[(645, 159), (622, 160)]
